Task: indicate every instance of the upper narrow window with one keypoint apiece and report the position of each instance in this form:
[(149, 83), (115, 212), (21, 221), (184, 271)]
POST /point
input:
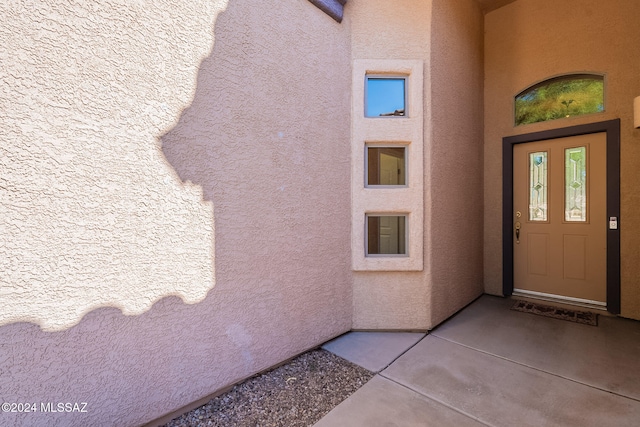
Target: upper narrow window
[(385, 96), (564, 96)]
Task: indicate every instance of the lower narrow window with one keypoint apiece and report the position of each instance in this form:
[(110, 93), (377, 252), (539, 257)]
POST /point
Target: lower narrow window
[(386, 235)]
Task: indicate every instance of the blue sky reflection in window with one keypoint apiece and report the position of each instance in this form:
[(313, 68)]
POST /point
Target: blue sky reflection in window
[(385, 97)]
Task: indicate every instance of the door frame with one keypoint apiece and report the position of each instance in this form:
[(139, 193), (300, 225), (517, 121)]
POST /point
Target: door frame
[(612, 130)]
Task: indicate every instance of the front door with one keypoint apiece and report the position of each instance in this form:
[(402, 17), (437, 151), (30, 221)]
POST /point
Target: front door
[(560, 218)]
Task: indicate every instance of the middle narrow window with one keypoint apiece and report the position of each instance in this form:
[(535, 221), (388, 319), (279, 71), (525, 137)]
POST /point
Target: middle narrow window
[(386, 166)]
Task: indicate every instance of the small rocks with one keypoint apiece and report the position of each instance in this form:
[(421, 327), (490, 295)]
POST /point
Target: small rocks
[(296, 394)]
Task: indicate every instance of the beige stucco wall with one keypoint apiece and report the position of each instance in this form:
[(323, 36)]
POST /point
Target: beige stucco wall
[(447, 36), (531, 40), (92, 214), (454, 183), (383, 30), (130, 132)]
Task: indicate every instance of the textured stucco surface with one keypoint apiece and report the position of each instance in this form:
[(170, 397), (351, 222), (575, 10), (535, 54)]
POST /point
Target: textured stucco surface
[(531, 40), (454, 184), (447, 37), (123, 125), (383, 30), (92, 214)]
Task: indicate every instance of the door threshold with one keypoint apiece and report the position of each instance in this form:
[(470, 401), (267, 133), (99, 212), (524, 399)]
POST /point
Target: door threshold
[(585, 303)]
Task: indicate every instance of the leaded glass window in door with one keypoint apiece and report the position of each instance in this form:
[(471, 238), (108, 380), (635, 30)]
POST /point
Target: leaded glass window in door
[(538, 186), (575, 184)]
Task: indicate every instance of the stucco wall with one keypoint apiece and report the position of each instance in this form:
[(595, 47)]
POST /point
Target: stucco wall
[(447, 36), (531, 40), (130, 131), (92, 215), (454, 184), (383, 30)]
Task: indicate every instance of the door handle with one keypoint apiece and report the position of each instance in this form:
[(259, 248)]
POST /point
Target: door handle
[(517, 227)]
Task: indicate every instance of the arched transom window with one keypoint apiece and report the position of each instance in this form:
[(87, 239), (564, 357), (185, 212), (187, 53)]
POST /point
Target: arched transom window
[(565, 96)]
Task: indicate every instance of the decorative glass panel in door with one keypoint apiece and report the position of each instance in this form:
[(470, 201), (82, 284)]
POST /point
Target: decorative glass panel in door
[(538, 186), (575, 184)]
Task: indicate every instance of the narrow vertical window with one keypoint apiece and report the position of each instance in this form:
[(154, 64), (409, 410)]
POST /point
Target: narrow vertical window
[(386, 235), (385, 96), (538, 209), (386, 166), (575, 184)]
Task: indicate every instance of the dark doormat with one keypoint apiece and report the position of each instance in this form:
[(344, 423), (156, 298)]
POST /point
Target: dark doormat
[(584, 317)]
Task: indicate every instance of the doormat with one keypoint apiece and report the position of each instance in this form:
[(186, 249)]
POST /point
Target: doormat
[(584, 317)]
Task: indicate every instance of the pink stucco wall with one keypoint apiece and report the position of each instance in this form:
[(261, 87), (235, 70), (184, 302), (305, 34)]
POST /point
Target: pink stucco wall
[(383, 30), (265, 136), (454, 184), (447, 36), (224, 140)]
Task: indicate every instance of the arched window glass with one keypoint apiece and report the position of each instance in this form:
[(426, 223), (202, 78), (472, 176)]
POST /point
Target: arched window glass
[(565, 96)]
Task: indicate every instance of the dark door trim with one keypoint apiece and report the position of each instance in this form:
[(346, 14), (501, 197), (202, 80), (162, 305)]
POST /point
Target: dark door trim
[(612, 129)]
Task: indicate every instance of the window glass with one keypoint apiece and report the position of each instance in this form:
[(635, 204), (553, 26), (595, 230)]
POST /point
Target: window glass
[(575, 184), (538, 186), (385, 96), (386, 166), (564, 96), (386, 235)]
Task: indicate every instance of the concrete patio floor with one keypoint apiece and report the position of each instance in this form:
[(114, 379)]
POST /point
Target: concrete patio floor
[(491, 366)]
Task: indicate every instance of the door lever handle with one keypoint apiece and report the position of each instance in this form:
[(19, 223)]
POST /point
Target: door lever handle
[(517, 232)]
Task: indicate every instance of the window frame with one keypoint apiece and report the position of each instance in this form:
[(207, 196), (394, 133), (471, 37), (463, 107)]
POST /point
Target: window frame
[(404, 215), (393, 76), (404, 145), (376, 199)]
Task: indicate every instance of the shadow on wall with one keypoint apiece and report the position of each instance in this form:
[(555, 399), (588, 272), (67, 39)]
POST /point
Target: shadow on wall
[(252, 139), (274, 295), (95, 216)]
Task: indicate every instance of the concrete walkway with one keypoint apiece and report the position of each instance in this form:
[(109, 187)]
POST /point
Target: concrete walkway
[(490, 366)]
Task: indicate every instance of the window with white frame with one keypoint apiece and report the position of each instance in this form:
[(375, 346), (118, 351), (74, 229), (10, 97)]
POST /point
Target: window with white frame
[(386, 235), (385, 96), (385, 165)]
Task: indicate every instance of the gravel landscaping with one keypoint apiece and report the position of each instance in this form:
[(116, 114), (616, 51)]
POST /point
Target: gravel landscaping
[(296, 394)]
